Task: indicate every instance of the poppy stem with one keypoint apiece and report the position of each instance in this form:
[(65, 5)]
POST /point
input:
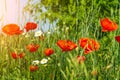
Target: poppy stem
[(118, 73), (118, 56), (92, 58), (85, 71)]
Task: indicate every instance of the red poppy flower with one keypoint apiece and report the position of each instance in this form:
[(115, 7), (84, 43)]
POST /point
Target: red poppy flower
[(117, 38), (108, 25), (14, 55), (11, 29), (32, 47), (19, 32), (21, 55), (30, 26), (89, 45), (66, 45), (49, 52), (33, 68), (81, 59)]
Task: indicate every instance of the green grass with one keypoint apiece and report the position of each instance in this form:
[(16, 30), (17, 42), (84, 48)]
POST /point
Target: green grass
[(63, 65)]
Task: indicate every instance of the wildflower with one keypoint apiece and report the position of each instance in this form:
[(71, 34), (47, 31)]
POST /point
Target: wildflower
[(108, 25), (19, 32), (49, 51), (38, 33), (44, 61), (11, 29), (30, 26), (81, 59), (21, 55), (66, 45), (33, 68), (36, 62), (89, 45), (32, 47), (117, 38), (14, 55)]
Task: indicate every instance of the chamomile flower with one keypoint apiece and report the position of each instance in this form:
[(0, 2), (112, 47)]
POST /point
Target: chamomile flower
[(38, 33), (36, 62), (44, 61)]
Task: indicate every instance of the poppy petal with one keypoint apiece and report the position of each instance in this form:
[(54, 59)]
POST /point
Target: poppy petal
[(108, 25), (49, 52), (32, 47), (66, 45), (14, 55), (89, 45), (81, 59), (33, 68), (10, 29), (30, 26), (21, 55), (117, 38)]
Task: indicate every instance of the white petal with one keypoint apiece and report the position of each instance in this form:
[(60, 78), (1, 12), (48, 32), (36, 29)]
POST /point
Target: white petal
[(43, 61), (38, 33), (36, 62)]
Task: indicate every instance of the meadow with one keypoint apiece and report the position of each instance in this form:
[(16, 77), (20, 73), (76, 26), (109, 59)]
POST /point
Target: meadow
[(86, 48)]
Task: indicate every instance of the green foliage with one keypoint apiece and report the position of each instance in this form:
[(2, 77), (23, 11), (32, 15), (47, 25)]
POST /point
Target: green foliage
[(72, 13), (81, 17)]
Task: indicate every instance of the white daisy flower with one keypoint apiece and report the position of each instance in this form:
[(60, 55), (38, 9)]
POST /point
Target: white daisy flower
[(38, 33), (36, 62), (44, 61)]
